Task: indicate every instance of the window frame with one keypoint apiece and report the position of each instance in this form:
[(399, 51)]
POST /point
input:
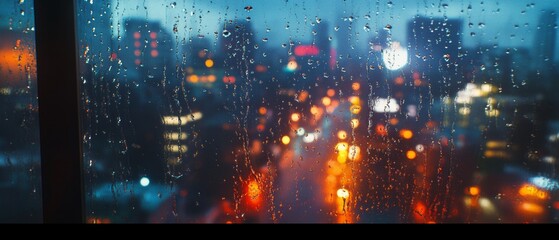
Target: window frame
[(59, 119)]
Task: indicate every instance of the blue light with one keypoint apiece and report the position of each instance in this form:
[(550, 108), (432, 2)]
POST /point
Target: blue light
[(545, 183)]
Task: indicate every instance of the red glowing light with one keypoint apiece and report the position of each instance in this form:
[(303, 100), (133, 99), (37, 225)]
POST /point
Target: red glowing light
[(153, 35), (229, 79), (306, 50)]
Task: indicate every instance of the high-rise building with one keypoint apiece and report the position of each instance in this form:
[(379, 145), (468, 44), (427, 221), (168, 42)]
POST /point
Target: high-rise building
[(147, 50), (545, 41), (433, 49), (432, 40)]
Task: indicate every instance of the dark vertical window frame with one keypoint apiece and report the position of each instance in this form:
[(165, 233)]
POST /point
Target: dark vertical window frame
[(58, 93)]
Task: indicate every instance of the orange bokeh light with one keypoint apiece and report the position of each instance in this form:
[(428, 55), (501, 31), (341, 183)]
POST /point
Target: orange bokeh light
[(411, 155), (253, 193), (330, 92), (406, 134), (355, 86), (528, 190), (285, 140), (381, 130), (474, 191), (399, 81), (326, 101), (262, 110), (209, 63), (531, 208), (295, 117)]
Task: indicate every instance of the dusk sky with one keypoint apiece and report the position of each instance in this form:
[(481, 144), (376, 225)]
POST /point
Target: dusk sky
[(497, 18)]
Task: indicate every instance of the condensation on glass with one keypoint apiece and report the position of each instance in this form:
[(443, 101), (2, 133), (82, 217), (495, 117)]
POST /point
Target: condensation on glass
[(20, 171), (299, 111)]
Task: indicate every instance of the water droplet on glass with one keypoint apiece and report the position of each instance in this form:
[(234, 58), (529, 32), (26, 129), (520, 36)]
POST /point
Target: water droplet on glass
[(264, 39), (366, 27), (173, 4), (318, 20), (336, 28), (248, 8), (226, 33), (388, 27), (368, 17)]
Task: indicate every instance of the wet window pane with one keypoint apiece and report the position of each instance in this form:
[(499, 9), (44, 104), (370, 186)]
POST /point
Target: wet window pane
[(20, 170), (300, 111)]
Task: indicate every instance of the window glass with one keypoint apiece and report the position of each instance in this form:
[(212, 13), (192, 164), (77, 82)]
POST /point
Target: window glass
[(319, 111), (20, 169)]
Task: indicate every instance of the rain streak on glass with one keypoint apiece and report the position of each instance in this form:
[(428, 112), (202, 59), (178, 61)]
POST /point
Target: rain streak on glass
[(20, 169)]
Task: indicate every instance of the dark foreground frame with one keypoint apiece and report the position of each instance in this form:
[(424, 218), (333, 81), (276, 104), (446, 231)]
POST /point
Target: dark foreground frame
[(58, 91)]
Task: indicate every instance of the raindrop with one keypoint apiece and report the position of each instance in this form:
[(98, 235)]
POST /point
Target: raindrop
[(173, 4), (482, 67), (389, 4), (248, 19), (481, 25), (336, 28), (284, 45), (318, 20), (368, 17), (226, 33), (388, 27), (264, 39), (248, 8), (367, 28)]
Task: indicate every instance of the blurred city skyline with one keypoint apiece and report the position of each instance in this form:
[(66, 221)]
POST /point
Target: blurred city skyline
[(206, 19)]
